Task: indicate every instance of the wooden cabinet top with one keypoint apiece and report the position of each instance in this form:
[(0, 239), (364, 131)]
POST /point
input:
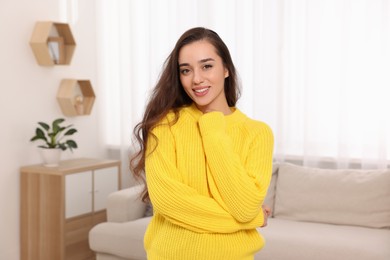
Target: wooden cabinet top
[(71, 166)]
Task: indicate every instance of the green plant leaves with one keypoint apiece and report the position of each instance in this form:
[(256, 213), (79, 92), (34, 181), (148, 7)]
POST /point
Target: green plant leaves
[(57, 122), (70, 131), (62, 146), (71, 144), (44, 125), (54, 135), (39, 134), (56, 125)]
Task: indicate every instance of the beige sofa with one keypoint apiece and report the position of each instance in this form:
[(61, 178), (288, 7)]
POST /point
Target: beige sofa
[(317, 214)]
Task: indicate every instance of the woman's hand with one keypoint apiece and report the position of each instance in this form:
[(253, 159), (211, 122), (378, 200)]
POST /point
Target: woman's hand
[(267, 212)]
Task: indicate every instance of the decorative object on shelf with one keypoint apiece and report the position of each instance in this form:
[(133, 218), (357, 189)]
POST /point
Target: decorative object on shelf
[(53, 138), (56, 49), (79, 100), (76, 97), (52, 43)]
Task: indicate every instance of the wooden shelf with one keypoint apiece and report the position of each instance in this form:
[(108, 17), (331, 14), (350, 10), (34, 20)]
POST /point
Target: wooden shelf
[(76, 97), (52, 43)]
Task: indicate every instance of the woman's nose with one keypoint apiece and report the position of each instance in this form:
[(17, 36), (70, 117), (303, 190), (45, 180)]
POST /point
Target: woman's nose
[(198, 77)]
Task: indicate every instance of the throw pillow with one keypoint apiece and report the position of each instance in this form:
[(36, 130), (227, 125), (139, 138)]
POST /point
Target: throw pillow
[(346, 197)]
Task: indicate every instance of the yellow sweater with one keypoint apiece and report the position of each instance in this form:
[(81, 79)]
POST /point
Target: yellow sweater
[(207, 180)]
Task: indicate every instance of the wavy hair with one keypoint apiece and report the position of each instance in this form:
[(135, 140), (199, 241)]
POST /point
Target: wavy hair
[(169, 95)]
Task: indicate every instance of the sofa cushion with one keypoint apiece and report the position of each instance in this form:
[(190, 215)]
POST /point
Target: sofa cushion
[(350, 197), (120, 239), (286, 239), (124, 205)]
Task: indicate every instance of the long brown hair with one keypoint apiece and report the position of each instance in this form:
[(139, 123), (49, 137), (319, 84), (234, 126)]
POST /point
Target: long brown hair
[(169, 95)]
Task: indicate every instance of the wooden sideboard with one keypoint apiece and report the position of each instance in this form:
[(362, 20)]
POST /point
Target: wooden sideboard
[(60, 205)]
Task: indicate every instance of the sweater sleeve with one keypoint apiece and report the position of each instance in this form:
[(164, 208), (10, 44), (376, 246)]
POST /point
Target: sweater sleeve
[(177, 202), (242, 186)]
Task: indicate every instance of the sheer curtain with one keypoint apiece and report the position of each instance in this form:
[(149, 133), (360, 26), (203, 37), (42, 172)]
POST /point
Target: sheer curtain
[(316, 71)]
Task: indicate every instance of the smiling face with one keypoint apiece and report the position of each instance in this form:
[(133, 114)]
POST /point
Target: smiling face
[(202, 75)]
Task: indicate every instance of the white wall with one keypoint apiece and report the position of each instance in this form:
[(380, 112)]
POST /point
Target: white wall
[(28, 95)]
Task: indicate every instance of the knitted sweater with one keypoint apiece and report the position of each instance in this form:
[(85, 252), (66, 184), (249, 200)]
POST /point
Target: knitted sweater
[(207, 179)]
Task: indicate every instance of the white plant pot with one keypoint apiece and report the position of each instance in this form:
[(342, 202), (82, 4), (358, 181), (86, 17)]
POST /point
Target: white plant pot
[(51, 157)]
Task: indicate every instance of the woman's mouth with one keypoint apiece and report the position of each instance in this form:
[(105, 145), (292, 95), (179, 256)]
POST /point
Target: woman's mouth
[(199, 92)]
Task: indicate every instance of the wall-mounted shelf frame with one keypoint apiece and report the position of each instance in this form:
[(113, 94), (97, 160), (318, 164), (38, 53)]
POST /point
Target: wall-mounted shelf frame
[(52, 43), (76, 97)]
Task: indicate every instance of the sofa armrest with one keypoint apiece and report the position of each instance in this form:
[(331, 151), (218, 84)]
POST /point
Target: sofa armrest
[(125, 205)]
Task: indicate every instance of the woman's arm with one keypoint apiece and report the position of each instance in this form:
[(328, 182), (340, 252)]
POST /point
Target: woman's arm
[(241, 187), (177, 202)]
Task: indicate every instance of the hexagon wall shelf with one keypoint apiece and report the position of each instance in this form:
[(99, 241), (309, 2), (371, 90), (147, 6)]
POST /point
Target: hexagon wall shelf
[(76, 97), (52, 43)]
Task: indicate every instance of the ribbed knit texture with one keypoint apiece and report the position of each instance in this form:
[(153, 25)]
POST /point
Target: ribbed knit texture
[(207, 180)]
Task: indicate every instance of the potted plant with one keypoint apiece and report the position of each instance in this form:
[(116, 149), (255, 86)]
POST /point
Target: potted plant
[(54, 138)]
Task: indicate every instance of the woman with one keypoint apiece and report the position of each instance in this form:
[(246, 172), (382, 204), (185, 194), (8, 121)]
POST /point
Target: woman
[(207, 165)]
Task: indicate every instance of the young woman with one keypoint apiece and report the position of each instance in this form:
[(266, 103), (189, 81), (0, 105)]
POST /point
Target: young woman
[(207, 165)]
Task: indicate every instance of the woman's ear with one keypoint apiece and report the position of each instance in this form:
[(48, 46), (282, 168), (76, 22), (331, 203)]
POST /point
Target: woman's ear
[(226, 73)]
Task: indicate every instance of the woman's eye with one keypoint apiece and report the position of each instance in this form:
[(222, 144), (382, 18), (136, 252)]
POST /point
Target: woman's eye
[(207, 66), (184, 71)]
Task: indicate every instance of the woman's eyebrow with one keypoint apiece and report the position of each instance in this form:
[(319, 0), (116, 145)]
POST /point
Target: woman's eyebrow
[(184, 64), (206, 60), (201, 61)]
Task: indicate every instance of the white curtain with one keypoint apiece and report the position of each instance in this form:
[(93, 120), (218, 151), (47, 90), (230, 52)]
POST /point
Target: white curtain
[(318, 72)]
